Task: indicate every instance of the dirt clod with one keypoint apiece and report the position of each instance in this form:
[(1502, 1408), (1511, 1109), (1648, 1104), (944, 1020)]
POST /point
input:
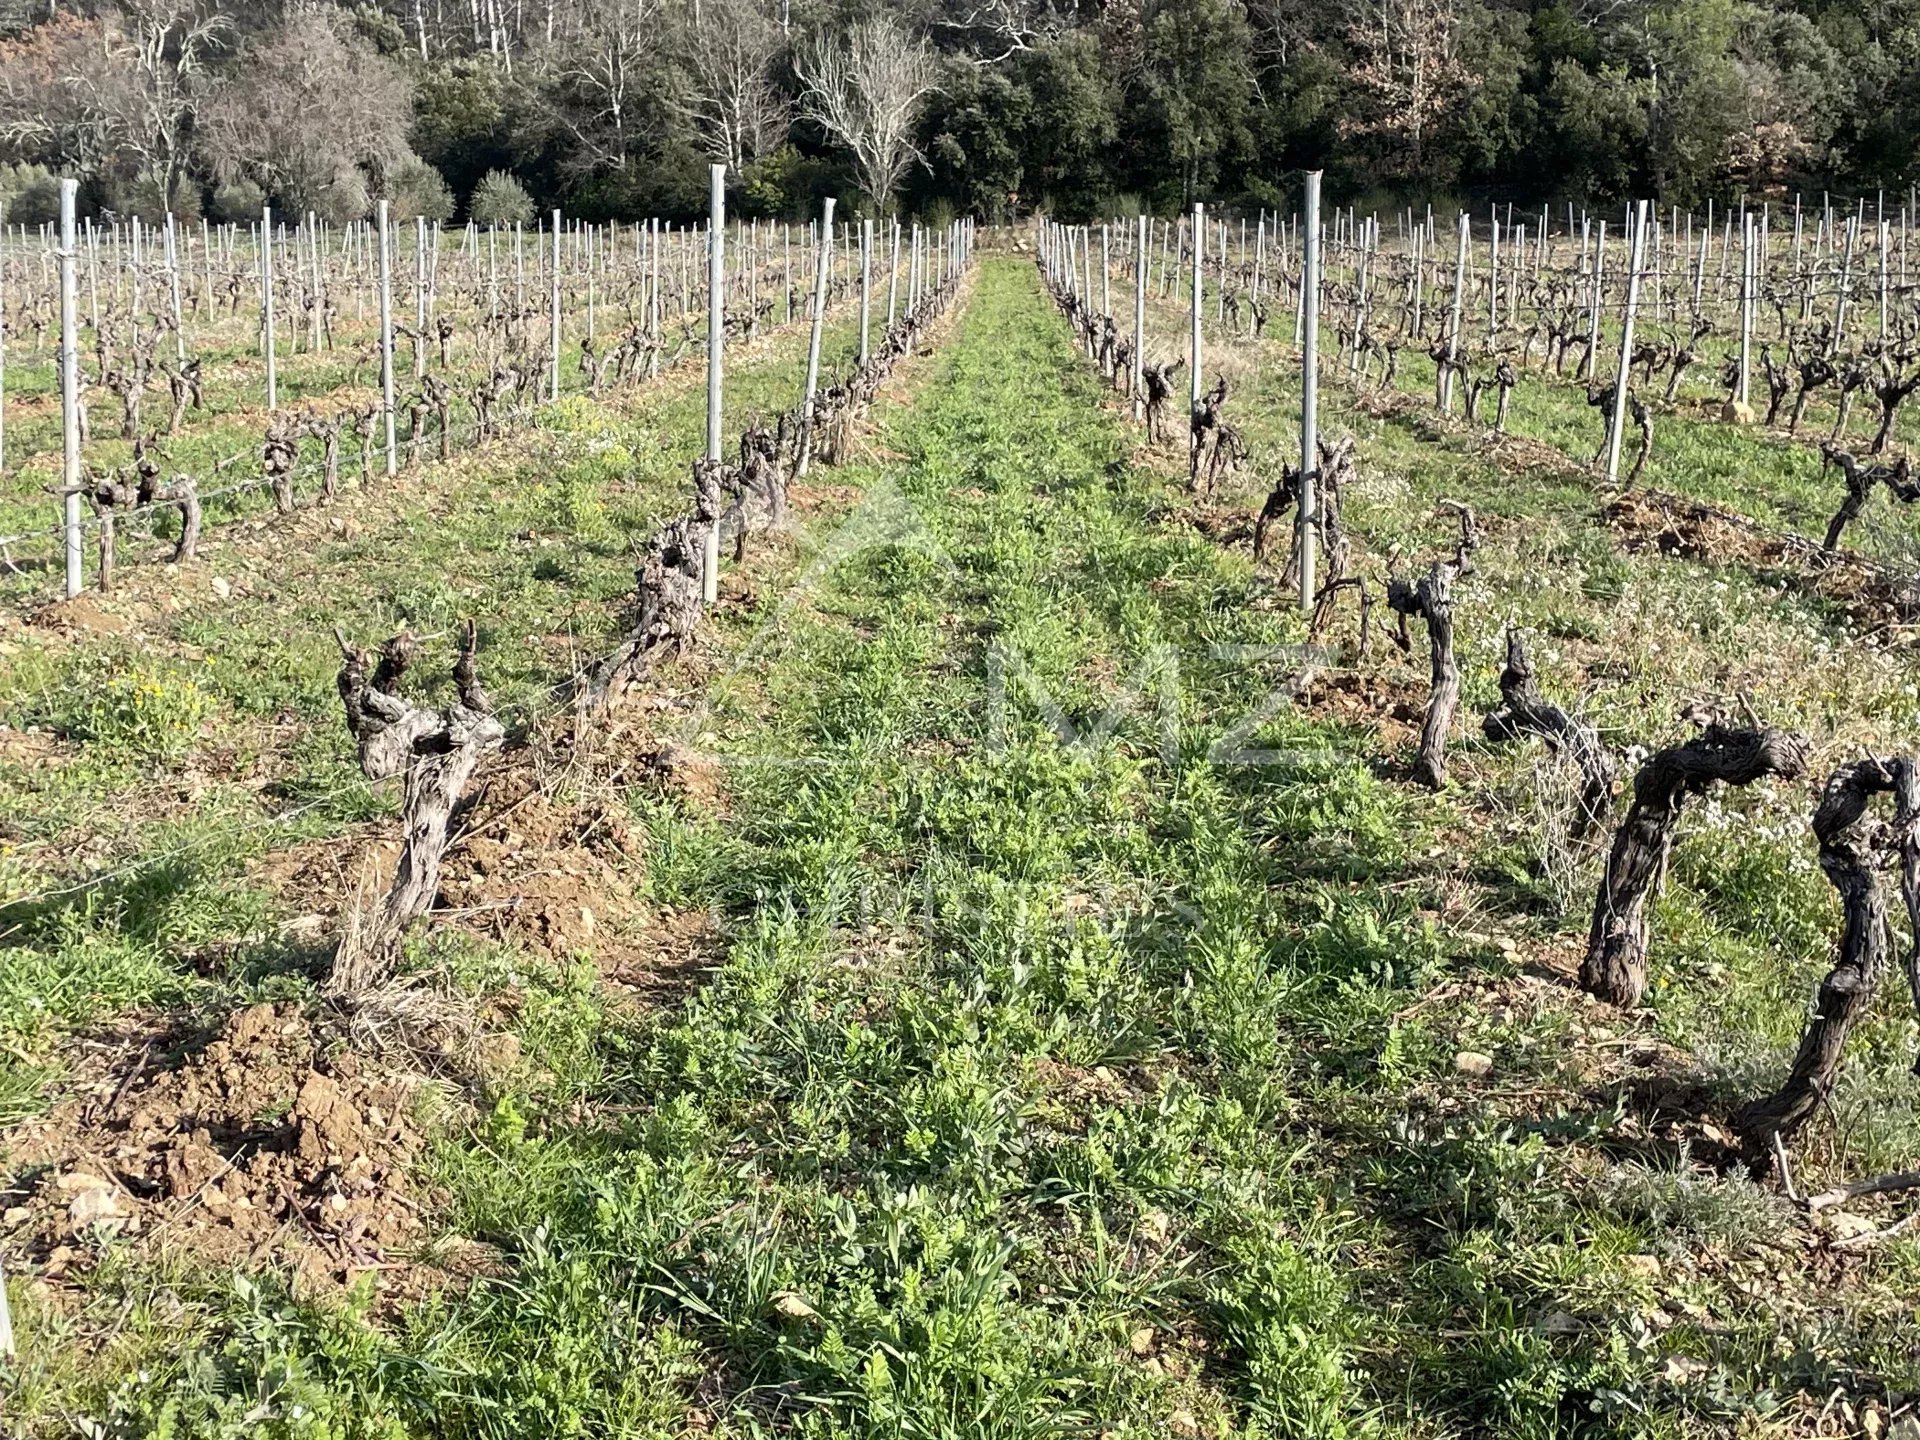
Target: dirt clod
[(82, 615)]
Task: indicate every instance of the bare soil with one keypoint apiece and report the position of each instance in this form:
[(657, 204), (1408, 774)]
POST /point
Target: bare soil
[(1693, 530), (271, 1139)]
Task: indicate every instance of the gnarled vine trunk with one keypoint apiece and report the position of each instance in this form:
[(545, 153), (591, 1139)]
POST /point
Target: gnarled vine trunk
[(1850, 842), (436, 752), (1525, 711), (1615, 969), (1431, 599)]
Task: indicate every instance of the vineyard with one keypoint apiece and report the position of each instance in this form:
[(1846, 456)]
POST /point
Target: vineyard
[(1299, 825), (262, 368)]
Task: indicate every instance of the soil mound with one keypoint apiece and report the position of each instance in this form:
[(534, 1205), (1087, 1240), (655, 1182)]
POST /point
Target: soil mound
[(1693, 530), (271, 1138), (555, 875)]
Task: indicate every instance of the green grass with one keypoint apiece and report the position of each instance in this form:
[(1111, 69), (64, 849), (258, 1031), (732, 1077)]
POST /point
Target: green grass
[(1059, 1076)]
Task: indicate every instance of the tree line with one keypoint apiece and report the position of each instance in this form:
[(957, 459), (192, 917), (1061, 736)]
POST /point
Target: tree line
[(497, 109)]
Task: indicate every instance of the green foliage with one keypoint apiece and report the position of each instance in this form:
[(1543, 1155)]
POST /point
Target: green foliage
[(1035, 132), (238, 201), (1197, 89), (499, 199), (140, 193), (454, 103), (782, 184), (467, 118), (117, 703), (30, 194), (415, 188), (973, 152)]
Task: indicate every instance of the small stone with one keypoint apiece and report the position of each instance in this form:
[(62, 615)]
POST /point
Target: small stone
[(1641, 1267), (1141, 1341), (789, 1306), (17, 1215), (1561, 1323), (1844, 1226), (221, 589), (1181, 1422), (95, 1205), (1683, 1369), (1473, 1064)]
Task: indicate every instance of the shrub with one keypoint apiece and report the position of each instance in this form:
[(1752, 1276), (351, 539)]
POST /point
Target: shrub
[(343, 198), (785, 185), (415, 188), (499, 199), (31, 194), (238, 201), (139, 195)]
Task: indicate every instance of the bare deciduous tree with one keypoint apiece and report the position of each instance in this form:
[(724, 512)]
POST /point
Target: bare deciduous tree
[(1407, 60), (160, 49), (89, 94), (600, 55), (49, 108), (727, 91), (997, 30), (865, 88), (1282, 30), (311, 115)]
